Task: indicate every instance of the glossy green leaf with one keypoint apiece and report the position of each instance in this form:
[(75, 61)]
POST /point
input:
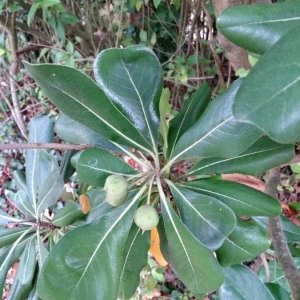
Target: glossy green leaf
[(40, 131), (50, 191), (27, 263), (241, 283), (259, 101), (94, 165), (194, 264), (67, 87), (132, 78), (74, 132), (243, 200), (68, 214), (277, 291), (258, 27), (276, 274), (10, 235), (81, 263), (245, 242), (208, 219), (187, 117), (263, 155), (135, 259), (217, 133), (24, 204)]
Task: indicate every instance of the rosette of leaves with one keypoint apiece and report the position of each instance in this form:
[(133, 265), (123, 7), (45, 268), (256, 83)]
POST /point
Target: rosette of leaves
[(30, 238), (202, 218)]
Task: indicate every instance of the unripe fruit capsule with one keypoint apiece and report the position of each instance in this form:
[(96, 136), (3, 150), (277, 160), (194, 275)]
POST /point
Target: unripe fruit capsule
[(146, 217), (116, 188)]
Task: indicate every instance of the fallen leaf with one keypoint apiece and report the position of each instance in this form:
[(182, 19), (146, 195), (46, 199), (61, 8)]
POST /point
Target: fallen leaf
[(246, 180), (85, 203), (155, 248)]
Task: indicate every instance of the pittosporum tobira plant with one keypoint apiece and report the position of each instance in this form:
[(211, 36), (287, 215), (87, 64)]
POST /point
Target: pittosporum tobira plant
[(207, 225)]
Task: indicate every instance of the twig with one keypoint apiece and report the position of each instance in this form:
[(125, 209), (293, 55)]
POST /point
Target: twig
[(266, 266), (13, 70), (281, 248), (58, 146), (216, 57)]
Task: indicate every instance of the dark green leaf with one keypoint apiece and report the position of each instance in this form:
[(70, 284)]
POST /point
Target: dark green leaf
[(67, 18), (19, 291), (10, 235), (41, 250), (67, 87), (74, 132), (217, 133), (5, 218), (88, 260), (258, 27), (209, 220), (273, 107), (40, 131), (263, 155), (4, 267), (24, 204), (68, 214), (290, 230), (23, 281), (241, 283), (27, 263), (66, 168), (194, 264), (132, 78), (243, 200), (135, 259), (245, 242), (188, 116), (277, 291), (20, 179), (94, 165), (33, 295), (276, 274), (50, 191), (9, 254), (164, 247)]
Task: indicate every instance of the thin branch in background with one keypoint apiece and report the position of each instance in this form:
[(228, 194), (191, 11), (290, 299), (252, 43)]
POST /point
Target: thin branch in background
[(266, 266), (13, 71), (120, 23), (281, 248), (216, 56)]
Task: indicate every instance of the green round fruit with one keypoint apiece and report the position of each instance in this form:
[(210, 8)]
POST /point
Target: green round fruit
[(116, 188), (146, 217)]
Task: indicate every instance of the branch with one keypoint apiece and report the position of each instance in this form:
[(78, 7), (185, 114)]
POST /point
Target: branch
[(281, 248), (57, 146), (13, 71)]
